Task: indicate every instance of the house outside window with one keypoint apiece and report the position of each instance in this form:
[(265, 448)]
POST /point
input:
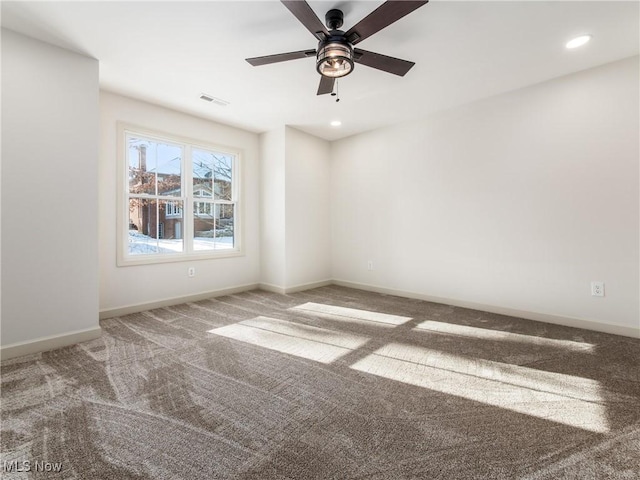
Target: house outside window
[(179, 199)]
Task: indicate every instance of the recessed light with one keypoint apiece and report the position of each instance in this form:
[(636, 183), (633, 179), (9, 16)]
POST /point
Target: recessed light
[(578, 41), (336, 123)]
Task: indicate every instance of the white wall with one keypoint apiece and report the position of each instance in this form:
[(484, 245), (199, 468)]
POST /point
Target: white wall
[(49, 190), (295, 210), (272, 208), (122, 287), (518, 201), (308, 221)]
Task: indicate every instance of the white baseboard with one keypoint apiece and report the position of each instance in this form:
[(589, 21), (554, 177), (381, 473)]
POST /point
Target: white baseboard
[(52, 342), (539, 317), (308, 286), (296, 288), (167, 302), (269, 287)]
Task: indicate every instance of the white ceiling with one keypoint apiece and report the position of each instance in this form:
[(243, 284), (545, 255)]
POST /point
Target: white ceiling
[(170, 52)]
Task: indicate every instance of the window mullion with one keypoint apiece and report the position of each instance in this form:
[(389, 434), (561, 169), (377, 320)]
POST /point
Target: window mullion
[(187, 180), (234, 180)]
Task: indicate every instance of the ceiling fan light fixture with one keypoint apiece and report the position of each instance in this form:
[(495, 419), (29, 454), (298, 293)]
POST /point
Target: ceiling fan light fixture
[(334, 59)]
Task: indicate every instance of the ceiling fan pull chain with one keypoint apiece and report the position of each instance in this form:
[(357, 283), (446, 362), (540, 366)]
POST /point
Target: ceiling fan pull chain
[(335, 91)]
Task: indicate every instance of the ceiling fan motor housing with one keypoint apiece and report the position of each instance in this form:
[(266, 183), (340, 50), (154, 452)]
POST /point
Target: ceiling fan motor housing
[(334, 19)]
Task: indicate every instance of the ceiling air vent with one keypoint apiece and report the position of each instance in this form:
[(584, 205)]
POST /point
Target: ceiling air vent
[(212, 99)]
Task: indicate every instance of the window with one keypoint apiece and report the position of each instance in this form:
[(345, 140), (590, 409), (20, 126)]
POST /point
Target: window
[(179, 201), (174, 209)]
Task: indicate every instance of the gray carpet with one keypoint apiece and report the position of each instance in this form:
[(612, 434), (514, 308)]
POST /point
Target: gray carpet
[(327, 383)]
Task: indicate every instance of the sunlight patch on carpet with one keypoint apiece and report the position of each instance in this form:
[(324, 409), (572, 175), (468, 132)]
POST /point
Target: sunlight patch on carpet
[(501, 336), (313, 343), (556, 397), (341, 313)]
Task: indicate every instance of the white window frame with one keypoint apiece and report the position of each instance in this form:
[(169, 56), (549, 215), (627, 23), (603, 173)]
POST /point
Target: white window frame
[(188, 254)]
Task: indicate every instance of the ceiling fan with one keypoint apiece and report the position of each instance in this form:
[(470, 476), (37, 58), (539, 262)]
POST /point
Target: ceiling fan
[(336, 55)]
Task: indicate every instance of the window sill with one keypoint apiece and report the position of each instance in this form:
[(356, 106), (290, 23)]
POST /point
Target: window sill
[(131, 261)]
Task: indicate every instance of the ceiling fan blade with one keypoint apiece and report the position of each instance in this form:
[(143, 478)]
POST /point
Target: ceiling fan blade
[(280, 57), (383, 16), (393, 65), (303, 12), (326, 85)]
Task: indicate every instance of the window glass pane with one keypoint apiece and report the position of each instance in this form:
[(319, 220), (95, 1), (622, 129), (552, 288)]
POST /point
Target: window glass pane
[(141, 217), (223, 171), (151, 231), (154, 165), (168, 159), (170, 226), (202, 165), (225, 229), (213, 226), (203, 226), (142, 167)]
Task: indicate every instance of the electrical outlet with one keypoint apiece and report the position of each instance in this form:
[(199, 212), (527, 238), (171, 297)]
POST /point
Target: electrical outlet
[(597, 289), (370, 265), (191, 271)]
